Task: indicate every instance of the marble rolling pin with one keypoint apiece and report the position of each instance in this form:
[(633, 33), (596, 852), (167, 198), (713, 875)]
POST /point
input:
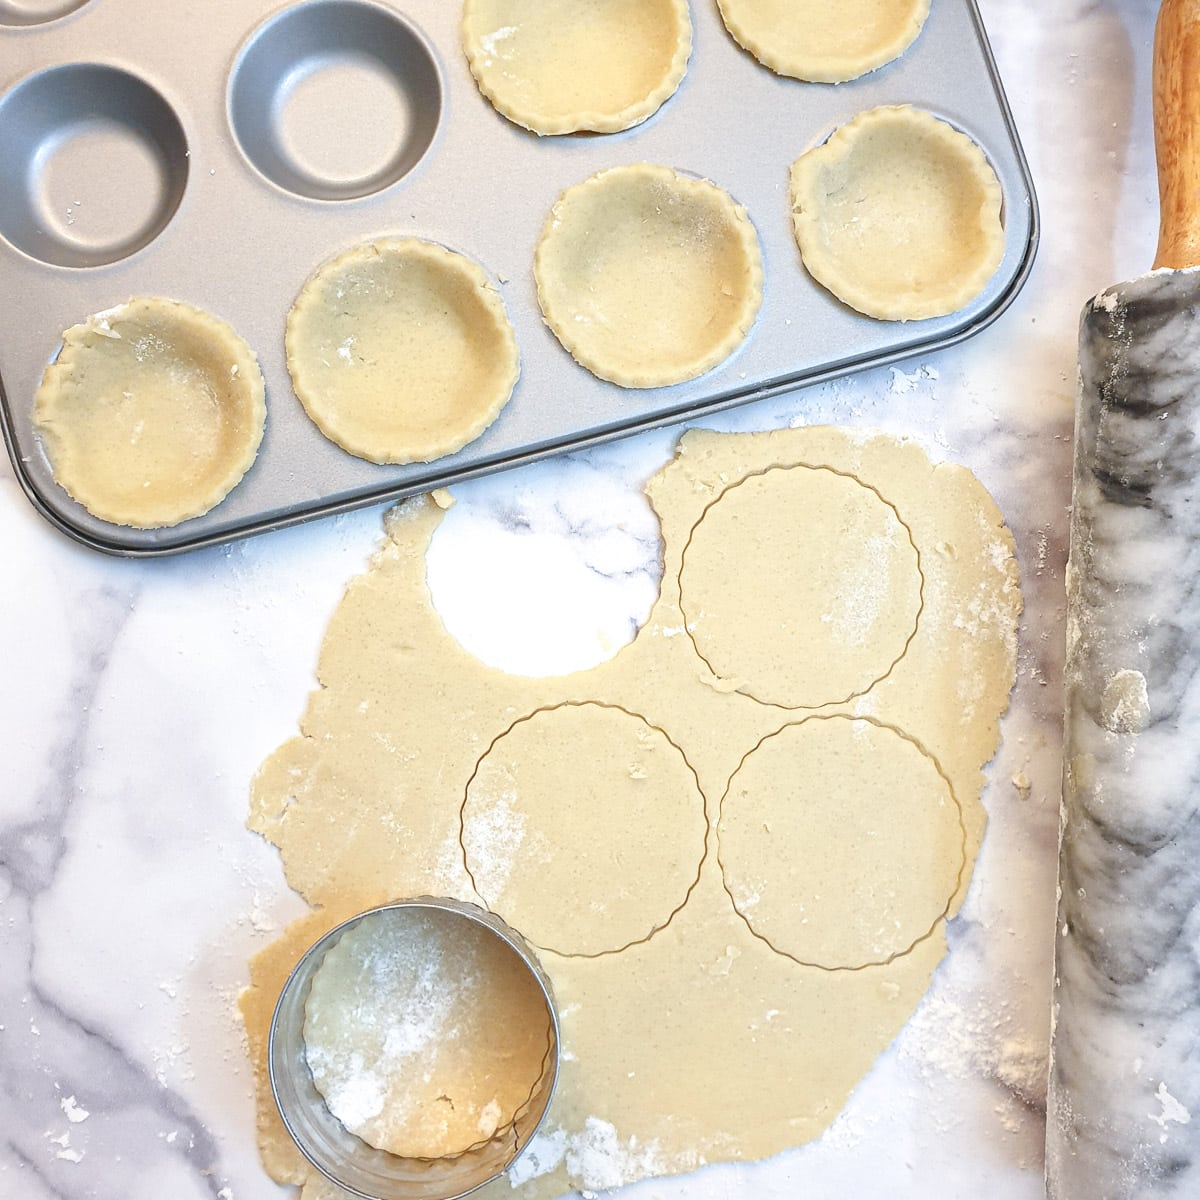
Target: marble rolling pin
[(1123, 1119)]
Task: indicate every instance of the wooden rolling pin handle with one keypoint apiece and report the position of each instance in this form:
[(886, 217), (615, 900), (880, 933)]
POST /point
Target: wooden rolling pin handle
[(1177, 132)]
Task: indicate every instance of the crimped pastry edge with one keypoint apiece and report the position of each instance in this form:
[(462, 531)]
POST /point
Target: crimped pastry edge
[(806, 174), (58, 372), (563, 330), (824, 68), (587, 121), (508, 353)]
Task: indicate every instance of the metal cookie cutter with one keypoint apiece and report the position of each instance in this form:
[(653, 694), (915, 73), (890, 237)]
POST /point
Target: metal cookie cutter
[(348, 1160)]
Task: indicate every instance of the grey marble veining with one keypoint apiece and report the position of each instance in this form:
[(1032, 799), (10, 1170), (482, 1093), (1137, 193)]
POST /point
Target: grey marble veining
[(51, 1054), (1125, 1081)]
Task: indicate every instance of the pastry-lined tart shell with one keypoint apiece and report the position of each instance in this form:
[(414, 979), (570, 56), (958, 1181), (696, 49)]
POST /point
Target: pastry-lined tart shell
[(824, 42), (558, 66), (648, 277), (898, 214), (151, 413), (401, 351)]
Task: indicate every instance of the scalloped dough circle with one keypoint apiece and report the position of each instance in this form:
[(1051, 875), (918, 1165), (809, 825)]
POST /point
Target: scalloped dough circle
[(800, 587), (151, 413), (898, 214), (822, 42), (563, 798), (840, 841), (648, 277), (425, 1036), (556, 66), (401, 351)]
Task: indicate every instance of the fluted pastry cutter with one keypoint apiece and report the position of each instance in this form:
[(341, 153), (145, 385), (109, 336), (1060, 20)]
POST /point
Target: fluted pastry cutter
[(1123, 1120)]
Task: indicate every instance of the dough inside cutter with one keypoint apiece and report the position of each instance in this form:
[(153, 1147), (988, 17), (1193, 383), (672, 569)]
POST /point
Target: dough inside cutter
[(425, 1033)]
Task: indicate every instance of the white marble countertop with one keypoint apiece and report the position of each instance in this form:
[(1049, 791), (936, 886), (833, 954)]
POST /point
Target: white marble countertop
[(139, 697)]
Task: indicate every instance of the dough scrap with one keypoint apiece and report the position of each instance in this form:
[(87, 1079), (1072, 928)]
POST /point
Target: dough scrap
[(791, 619), (425, 1034), (401, 351), (151, 413), (556, 66), (648, 277), (822, 42), (556, 801), (898, 214), (404, 715), (831, 804)]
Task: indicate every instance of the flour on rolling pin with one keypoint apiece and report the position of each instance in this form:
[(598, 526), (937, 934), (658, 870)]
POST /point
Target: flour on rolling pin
[(1126, 1019), (1123, 1112)]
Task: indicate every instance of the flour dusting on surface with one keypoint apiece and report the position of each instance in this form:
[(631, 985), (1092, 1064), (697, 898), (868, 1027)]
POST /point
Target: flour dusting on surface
[(596, 1156), (1172, 1110), (493, 836), (866, 590)]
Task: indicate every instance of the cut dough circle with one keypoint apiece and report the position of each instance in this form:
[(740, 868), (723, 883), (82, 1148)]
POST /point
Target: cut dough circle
[(558, 66), (591, 802), (401, 351), (648, 276), (151, 413), (840, 841), (425, 1034), (898, 214), (800, 587), (823, 42)]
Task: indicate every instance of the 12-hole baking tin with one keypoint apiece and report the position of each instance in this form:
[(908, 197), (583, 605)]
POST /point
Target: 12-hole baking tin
[(217, 153)]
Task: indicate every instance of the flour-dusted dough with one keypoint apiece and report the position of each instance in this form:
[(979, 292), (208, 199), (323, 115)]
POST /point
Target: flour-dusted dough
[(841, 843), (424, 1033), (898, 214), (702, 1042), (400, 350), (800, 587), (151, 413), (556, 801), (647, 276), (823, 42), (558, 66)]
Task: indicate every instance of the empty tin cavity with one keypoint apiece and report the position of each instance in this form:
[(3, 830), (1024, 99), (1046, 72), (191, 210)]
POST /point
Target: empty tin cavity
[(36, 12), (95, 165), (335, 99)]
